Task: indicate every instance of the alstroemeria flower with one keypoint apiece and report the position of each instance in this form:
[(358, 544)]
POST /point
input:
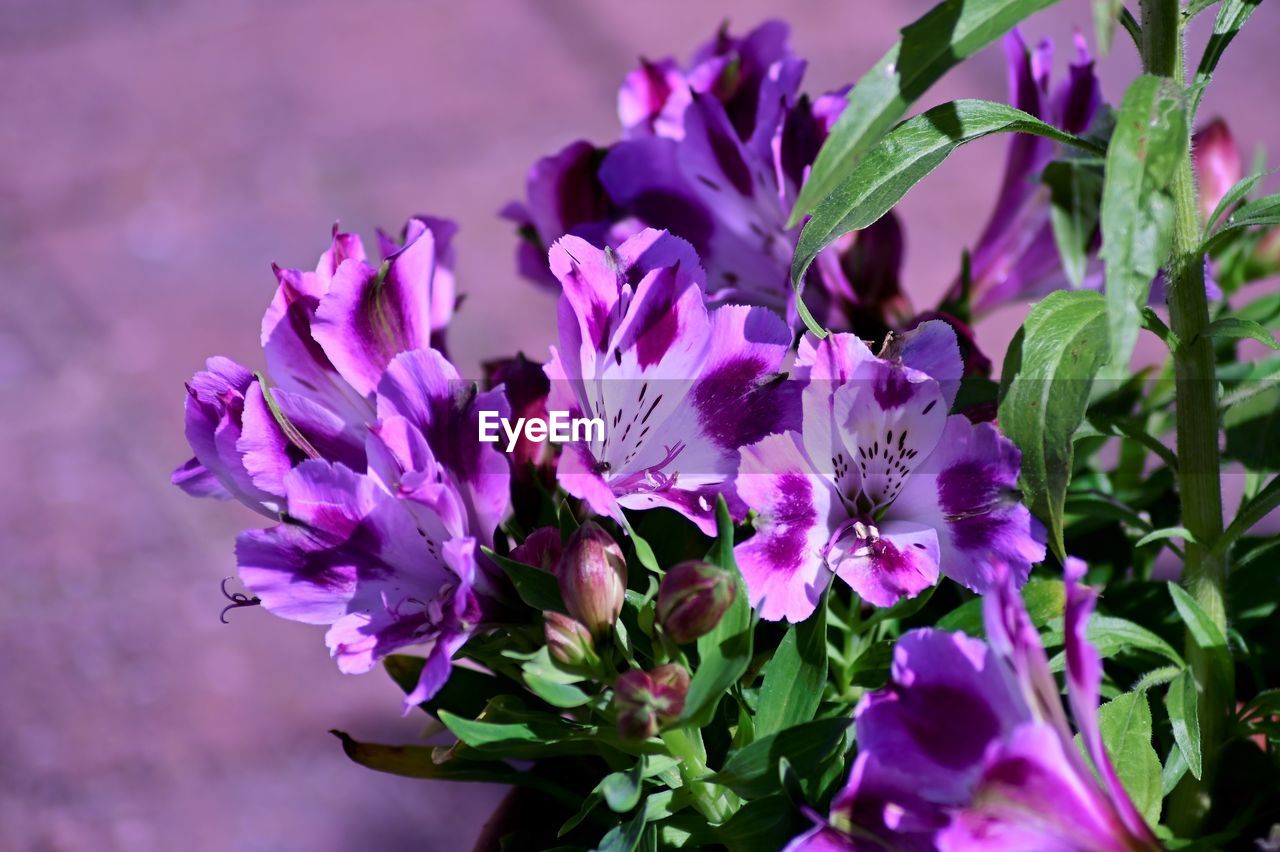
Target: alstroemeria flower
[(969, 746), (715, 152), (389, 558), (880, 486), (1016, 258), (680, 388), (368, 453)]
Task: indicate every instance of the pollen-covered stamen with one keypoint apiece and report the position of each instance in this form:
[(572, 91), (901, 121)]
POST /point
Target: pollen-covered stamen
[(855, 538), (653, 478)]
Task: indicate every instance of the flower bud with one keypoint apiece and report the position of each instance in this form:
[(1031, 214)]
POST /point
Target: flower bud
[(540, 549), (646, 701), (693, 598), (568, 641), (593, 578), (1217, 161)]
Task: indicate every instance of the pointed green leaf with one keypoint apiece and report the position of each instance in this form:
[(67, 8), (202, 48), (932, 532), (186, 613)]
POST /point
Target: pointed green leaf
[(1150, 134), (1126, 731), (1185, 718), (795, 677), (932, 45), (898, 162), (1075, 191), (1049, 369), (536, 587), (1234, 328)]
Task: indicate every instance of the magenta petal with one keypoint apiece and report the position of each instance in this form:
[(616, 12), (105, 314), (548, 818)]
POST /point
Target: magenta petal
[(884, 565), (214, 422), (1030, 796), (1084, 680), (782, 563)]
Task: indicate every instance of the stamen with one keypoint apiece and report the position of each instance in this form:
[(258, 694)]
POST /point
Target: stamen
[(238, 600)]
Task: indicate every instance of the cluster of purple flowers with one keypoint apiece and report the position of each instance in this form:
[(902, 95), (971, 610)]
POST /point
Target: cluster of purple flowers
[(669, 250)]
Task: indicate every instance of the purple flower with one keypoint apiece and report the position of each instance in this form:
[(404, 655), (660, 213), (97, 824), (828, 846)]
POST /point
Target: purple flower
[(353, 556), (1016, 258), (679, 388), (714, 151), (367, 452), (389, 557), (880, 486), (969, 746)]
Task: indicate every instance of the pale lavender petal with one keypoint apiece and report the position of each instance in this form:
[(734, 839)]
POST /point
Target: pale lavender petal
[(782, 563), (348, 548), (933, 349), (295, 360), (889, 419), (198, 481)]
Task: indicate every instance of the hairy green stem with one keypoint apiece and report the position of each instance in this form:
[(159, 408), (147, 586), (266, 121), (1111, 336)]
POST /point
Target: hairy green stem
[(1196, 412)]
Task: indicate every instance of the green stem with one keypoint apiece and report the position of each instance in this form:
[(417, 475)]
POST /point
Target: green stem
[(1196, 412), (714, 802)]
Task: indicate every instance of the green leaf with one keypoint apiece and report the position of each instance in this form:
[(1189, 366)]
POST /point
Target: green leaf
[(1234, 328), (752, 772), (1184, 716), (1251, 423), (1252, 512), (1126, 731), (1232, 15), (1150, 133), (1259, 213), (1050, 368), (1239, 190), (536, 587), (1174, 768), (523, 735), (725, 653), (1075, 191), (1105, 15), (1164, 534), (897, 163), (767, 823), (1203, 631), (552, 684), (795, 677), (871, 669), (419, 762), (930, 46), (621, 790)]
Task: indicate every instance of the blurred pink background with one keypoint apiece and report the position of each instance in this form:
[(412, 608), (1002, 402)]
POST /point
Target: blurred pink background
[(158, 157)]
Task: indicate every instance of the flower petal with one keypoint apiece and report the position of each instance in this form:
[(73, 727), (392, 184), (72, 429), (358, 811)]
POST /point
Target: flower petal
[(782, 563), (949, 698)]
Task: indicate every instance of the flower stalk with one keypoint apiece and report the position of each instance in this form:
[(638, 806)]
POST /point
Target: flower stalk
[(1197, 422)]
